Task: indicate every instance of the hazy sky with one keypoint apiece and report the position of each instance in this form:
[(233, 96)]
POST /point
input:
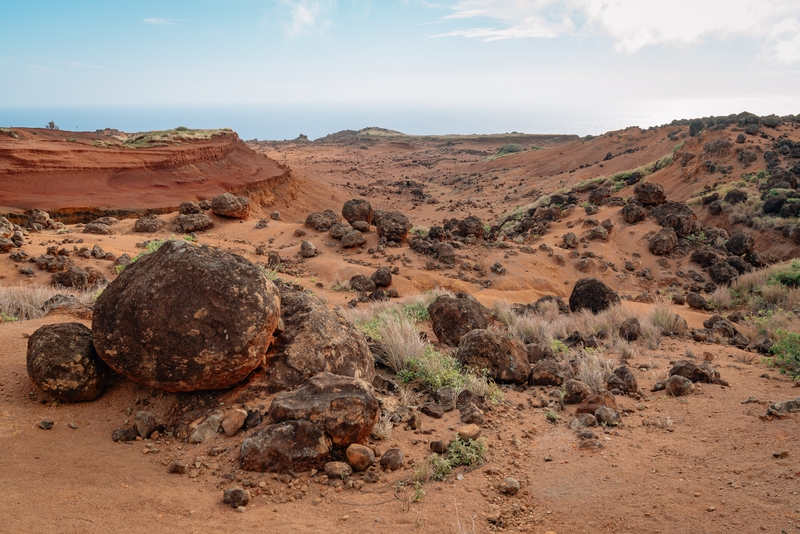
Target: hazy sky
[(472, 53)]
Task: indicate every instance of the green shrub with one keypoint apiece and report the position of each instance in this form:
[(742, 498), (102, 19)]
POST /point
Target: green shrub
[(788, 277), (509, 148), (469, 453), (787, 353)]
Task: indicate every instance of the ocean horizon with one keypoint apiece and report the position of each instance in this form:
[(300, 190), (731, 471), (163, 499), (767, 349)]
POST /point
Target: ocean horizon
[(287, 122)]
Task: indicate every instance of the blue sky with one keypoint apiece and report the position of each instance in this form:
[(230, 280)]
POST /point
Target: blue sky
[(464, 54)]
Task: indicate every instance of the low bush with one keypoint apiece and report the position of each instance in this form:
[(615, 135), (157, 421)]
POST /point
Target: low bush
[(787, 353)]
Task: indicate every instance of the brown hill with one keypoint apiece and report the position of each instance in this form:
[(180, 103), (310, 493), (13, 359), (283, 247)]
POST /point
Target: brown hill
[(77, 176)]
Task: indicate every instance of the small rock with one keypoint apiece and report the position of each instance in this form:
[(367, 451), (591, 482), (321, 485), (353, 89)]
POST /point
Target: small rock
[(509, 486), (360, 457), (236, 497), (337, 470), (392, 459), (177, 468), (433, 410), (606, 415), (146, 423), (233, 421), (467, 432), (781, 454), (124, 434), (253, 420), (439, 446), (46, 424)]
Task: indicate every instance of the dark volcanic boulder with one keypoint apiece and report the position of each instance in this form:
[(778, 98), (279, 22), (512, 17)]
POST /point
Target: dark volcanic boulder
[(312, 340), (704, 257), (663, 242), (774, 204), (630, 329), (343, 407), (290, 445), (353, 239), (62, 361), (472, 225), (678, 216), (592, 294), (696, 373), (97, 228), (722, 273), (549, 372), (149, 224), (649, 193), (186, 318), (357, 209), (382, 277), (633, 213), (506, 360), (597, 196), (188, 207), (623, 379), (393, 225), (718, 147), (362, 283), (696, 301), (454, 317), (74, 277), (736, 196), (194, 222), (339, 230), (740, 244), (229, 205), (321, 221)]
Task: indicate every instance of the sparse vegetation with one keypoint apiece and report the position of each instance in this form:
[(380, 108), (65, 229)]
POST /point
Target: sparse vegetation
[(27, 302), (787, 353), (165, 137)]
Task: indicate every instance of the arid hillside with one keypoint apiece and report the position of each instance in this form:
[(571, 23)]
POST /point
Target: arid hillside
[(394, 333), (78, 176)]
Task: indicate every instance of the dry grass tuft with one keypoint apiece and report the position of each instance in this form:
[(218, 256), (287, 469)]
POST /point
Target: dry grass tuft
[(25, 303), (593, 371)]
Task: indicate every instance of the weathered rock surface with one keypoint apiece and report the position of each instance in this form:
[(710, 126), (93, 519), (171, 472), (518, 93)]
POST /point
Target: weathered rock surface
[(550, 373), (650, 193), (393, 225), (343, 407), (453, 317), (592, 294), (62, 360), (186, 318), (321, 221), (357, 210), (231, 206), (506, 360), (311, 340), (289, 445)]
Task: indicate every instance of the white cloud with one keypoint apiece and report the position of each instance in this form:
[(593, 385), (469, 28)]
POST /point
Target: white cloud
[(306, 16), (158, 21), (84, 65), (635, 24)]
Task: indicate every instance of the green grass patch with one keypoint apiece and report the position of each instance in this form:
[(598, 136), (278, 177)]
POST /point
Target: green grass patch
[(787, 353), (787, 277)]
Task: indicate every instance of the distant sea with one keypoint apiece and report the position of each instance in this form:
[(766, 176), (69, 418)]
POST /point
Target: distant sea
[(287, 122)]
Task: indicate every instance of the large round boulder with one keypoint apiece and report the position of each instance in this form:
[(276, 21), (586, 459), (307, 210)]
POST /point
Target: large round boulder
[(321, 221), (505, 360), (186, 318), (357, 209), (343, 407), (195, 222), (663, 242), (62, 361), (393, 225), (678, 216), (231, 206), (149, 224), (453, 317), (649, 193), (740, 244), (633, 213), (592, 294), (472, 225), (310, 340)]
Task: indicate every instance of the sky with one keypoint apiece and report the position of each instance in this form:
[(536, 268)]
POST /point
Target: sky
[(462, 55)]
